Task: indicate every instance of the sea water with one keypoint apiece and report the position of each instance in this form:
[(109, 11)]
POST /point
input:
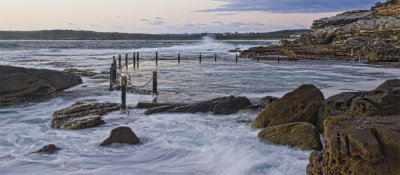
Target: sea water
[(199, 143)]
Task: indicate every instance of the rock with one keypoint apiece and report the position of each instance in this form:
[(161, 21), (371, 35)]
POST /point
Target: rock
[(300, 105), (48, 149), (383, 101), (82, 115), (335, 105), (299, 134), (121, 135), (361, 145), (343, 18), (389, 84), (376, 102), (83, 73), (231, 105), (314, 166), (148, 105), (265, 101), (222, 105), (22, 85), (366, 34)]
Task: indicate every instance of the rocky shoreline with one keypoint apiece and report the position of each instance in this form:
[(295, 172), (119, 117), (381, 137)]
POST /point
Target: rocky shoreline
[(372, 35)]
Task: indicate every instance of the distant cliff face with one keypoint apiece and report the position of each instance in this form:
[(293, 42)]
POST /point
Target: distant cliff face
[(373, 34)]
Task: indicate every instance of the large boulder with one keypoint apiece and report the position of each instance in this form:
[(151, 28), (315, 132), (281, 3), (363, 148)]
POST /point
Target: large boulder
[(22, 85), (299, 134), (82, 115), (361, 145), (300, 105), (335, 105), (383, 101), (121, 134), (222, 105)]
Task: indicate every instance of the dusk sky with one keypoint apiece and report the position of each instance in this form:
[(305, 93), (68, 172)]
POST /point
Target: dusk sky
[(170, 16)]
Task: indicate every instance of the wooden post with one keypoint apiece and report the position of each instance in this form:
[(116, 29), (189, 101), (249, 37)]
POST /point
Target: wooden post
[(156, 58), (123, 92), (114, 72), (126, 60), (138, 57), (155, 83), (215, 57), (137, 61), (119, 60), (134, 60), (111, 77), (352, 53), (359, 58), (179, 57), (258, 57), (295, 57), (199, 58), (236, 58), (278, 58), (114, 61)]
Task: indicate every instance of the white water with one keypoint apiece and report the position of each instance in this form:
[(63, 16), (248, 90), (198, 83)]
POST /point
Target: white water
[(199, 143)]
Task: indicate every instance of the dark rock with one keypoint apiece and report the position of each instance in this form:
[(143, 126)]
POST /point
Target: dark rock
[(222, 105), (265, 101), (299, 134), (361, 145), (48, 149), (121, 135), (300, 105), (231, 105), (83, 73), (389, 84), (82, 115), (314, 166), (335, 105), (148, 105), (22, 85)]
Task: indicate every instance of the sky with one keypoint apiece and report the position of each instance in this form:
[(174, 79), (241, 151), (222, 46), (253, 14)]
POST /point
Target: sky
[(170, 16)]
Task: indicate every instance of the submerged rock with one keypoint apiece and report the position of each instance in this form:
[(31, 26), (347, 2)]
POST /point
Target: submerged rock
[(22, 85), (82, 115), (121, 134), (361, 145), (48, 149), (299, 134), (265, 101), (222, 105), (300, 105), (84, 73)]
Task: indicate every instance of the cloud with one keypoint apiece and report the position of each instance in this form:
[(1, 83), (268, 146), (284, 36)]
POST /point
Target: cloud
[(158, 18), (70, 23), (258, 24), (143, 19), (226, 14), (116, 16), (157, 23), (292, 6), (119, 27)]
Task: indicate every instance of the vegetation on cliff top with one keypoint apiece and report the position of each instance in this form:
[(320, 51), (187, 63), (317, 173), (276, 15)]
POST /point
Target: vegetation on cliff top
[(90, 35)]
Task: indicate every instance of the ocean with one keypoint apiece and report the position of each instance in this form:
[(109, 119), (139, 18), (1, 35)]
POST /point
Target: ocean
[(181, 143)]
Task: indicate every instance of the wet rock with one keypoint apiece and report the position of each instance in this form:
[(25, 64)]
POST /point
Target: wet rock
[(48, 149), (222, 105), (299, 134), (83, 73), (82, 115), (335, 105), (300, 105), (121, 135), (22, 85), (314, 166), (231, 105), (361, 145), (389, 84), (265, 101), (343, 18)]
